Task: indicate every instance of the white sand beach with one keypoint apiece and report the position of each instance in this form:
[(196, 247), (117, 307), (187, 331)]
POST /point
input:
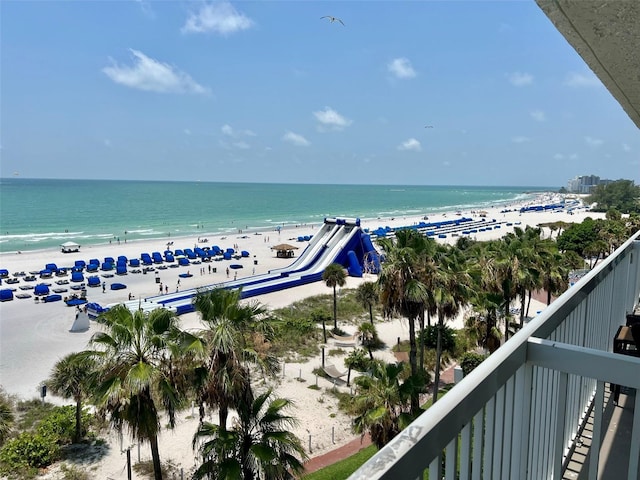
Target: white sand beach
[(33, 336)]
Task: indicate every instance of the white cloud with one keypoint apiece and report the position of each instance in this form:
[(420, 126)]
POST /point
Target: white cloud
[(446, 163), (573, 156), (218, 17), (410, 145), (249, 133), (242, 145), (187, 131), (401, 68), (331, 119), (520, 139), (107, 143), (593, 142), (538, 115), (227, 130), (581, 80), (152, 76), (558, 156), (295, 139), (520, 79), (146, 8), (626, 147)]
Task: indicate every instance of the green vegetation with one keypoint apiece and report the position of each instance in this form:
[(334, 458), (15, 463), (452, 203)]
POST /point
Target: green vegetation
[(44, 433), (343, 468), (621, 195)]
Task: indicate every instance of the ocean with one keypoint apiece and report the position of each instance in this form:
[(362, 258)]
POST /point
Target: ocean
[(42, 213)]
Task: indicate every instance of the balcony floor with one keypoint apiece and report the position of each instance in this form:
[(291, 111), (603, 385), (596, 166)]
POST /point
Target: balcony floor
[(614, 455)]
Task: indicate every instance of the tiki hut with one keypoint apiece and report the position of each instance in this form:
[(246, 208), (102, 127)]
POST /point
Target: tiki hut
[(284, 250)]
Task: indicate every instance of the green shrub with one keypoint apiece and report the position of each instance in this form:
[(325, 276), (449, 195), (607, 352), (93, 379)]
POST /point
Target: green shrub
[(29, 450), (61, 424), (470, 361)]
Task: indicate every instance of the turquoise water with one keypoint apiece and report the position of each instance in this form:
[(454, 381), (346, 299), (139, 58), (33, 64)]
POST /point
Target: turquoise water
[(41, 214)]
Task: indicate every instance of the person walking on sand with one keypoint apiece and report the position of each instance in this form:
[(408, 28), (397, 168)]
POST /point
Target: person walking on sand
[(166, 289), (227, 272), (104, 286)]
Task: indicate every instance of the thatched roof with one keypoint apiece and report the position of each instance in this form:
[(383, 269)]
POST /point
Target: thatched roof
[(284, 246)]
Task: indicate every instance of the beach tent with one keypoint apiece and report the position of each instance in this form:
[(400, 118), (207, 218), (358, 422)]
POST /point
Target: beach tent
[(41, 289), (134, 262), (92, 267), (77, 277), (70, 247), (121, 269), (81, 323), (51, 266), (4, 273), (93, 281)]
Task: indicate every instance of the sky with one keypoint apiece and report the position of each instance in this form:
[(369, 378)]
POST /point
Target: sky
[(349, 92)]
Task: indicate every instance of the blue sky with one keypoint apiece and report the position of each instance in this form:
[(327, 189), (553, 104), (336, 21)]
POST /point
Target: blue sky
[(268, 91)]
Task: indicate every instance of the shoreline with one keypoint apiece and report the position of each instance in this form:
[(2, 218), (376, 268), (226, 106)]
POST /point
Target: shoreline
[(33, 336), (52, 237)]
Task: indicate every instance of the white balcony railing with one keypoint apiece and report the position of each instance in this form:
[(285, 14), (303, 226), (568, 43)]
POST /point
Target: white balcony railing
[(518, 415)]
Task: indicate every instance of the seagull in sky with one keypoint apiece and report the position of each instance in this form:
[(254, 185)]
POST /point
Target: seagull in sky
[(428, 126), (332, 19)]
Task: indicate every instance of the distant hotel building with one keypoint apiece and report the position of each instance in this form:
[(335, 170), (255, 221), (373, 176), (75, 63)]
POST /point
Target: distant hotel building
[(585, 183)]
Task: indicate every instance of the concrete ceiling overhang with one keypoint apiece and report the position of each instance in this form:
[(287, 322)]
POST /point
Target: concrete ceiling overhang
[(606, 34)]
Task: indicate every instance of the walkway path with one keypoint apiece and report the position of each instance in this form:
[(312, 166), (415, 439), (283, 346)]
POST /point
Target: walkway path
[(354, 446)]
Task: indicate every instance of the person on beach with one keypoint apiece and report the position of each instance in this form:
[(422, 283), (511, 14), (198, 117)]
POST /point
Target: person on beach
[(227, 272), (104, 286)]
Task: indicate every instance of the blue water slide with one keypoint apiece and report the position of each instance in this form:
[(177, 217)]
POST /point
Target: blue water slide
[(338, 241)]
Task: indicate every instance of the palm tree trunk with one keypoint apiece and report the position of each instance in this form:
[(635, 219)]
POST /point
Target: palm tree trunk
[(324, 328), (549, 297), (523, 298), (436, 376), (529, 302), (371, 313), (335, 310), (415, 401), (155, 456), (78, 434), (348, 375), (223, 413), (421, 318)]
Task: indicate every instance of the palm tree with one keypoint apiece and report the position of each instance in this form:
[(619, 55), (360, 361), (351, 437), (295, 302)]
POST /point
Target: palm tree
[(451, 291), (334, 276), (259, 445), (367, 295), (235, 336), (368, 336), (382, 405), (356, 360), (321, 316), (71, 378), (555, 273), (135, 376), (402, 291)]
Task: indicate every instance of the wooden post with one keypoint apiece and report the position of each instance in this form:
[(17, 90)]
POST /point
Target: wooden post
[(129, 463)]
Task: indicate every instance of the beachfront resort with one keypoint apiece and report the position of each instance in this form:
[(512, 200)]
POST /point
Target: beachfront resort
[(257, 354)]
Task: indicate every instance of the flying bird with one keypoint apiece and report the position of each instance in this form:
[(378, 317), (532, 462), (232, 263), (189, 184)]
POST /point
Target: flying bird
[(428, 126), (332, 19)]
